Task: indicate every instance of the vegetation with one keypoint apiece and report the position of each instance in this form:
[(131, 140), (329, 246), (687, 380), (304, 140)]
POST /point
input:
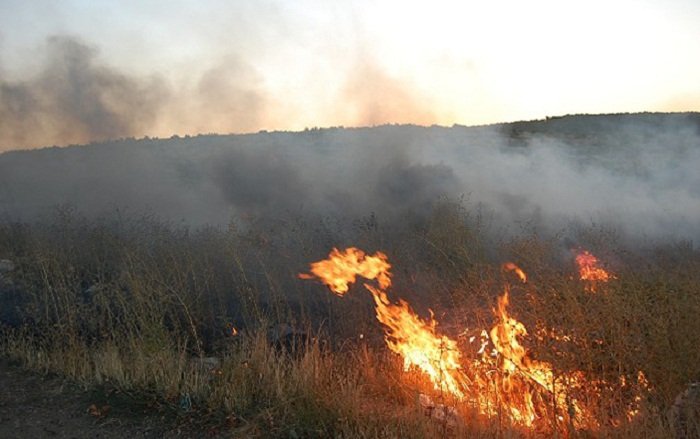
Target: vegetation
[(142, 305)]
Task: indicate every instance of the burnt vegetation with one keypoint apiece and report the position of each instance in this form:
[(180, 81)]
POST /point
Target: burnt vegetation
[(200, 307)]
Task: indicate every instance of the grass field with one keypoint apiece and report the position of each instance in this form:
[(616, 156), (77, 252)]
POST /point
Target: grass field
[(143, 305)]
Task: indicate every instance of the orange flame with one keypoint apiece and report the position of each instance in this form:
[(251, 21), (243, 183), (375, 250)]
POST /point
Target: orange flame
[(520, 371), (509, 266), (406, 333), (590, 271), (527, 389), (416, 341), (340, 269)]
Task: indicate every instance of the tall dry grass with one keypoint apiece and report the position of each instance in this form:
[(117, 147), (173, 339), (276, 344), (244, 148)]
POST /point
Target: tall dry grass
[(135, 303)]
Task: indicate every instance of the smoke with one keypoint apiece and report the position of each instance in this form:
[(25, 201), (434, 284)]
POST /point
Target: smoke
[(228, 97), (370, 96), (258, 182), (415, 186), (73, 99), (637, 173)]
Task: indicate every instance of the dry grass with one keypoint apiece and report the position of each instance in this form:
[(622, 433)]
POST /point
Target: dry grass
[(132, 303)]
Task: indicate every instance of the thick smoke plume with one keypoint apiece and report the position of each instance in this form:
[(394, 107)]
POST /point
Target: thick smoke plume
[(634, 172), (74, 99)]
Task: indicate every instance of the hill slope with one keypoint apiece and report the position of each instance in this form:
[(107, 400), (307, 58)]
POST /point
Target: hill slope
[(634, 169)]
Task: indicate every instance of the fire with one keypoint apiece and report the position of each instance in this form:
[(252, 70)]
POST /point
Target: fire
[(502, 378), (590, 271), (520, 372), (340, 269), (418, 343), (509, 266), (407, 334)]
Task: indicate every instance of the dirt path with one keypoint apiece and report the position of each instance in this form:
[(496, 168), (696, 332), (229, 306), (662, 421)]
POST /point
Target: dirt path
[(34, 406)]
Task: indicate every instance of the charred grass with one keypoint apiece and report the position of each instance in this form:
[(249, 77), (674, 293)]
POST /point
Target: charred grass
[(141, 308)]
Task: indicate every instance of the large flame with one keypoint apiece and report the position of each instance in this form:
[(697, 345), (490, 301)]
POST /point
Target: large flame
[(407, 334), (501, 380), (522, 376), (418, 343)]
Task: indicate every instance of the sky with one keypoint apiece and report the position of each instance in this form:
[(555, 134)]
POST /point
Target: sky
[(77, 71)]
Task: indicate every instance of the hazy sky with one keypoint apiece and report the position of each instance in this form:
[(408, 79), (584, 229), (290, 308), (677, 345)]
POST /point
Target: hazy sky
[(237, 66)]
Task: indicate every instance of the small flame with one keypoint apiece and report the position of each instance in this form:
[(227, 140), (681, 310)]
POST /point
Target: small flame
[(589, 270), (509, 266)]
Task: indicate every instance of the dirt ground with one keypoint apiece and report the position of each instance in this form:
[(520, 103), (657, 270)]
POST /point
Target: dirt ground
[(36, 406)]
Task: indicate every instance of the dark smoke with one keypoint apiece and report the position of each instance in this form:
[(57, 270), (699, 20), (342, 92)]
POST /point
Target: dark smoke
[(74, 99), (259, 182), (637, 173), (415, 185)]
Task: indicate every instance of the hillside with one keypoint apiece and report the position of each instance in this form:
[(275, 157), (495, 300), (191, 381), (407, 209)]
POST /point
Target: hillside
[(637, 169), (519, 280)]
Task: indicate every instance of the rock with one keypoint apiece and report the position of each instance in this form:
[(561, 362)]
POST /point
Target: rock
[(684, 415)]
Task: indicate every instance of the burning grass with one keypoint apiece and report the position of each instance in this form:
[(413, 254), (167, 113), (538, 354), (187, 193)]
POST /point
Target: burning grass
[(501, 380), (452, 333)]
